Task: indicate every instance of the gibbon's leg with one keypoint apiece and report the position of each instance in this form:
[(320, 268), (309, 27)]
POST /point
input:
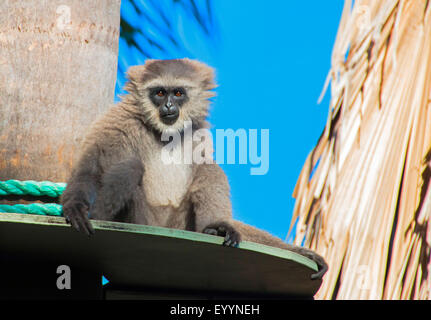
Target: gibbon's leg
[(210, 197), (250, 233), (118, 188)]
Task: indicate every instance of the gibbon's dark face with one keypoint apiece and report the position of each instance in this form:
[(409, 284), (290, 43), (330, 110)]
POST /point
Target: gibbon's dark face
[(172, 94), (168, 101)]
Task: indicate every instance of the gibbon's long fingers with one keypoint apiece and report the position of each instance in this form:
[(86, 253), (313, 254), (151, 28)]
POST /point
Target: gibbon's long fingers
[(211, 231), (83, 224), (319, 275), (76, 215), (224, 229), (88, 228), (231, 239), (322, 266)]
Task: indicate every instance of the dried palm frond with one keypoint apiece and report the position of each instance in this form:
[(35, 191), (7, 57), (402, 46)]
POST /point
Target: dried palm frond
[(363, 198)]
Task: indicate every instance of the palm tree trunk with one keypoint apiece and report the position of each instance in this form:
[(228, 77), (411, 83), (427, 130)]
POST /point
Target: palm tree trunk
[(58, 65)]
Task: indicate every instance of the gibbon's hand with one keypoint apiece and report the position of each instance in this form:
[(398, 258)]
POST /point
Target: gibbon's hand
[(76, 213), (322, 267), (224, 229)]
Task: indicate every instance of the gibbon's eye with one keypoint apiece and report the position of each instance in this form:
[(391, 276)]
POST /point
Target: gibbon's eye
[(160, 93), (178, 93)]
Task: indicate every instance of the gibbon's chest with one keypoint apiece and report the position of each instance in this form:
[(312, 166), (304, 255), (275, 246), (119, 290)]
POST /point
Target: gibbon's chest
[(165, 184)]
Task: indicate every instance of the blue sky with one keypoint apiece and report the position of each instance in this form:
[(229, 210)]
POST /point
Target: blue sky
[(272, 58)]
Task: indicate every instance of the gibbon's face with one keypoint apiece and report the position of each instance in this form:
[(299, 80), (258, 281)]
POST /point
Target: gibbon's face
[(168, 100), (171, 93)]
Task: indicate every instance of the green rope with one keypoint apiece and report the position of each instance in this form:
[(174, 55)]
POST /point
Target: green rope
[(46, 209), (33, 188), (30, 187)]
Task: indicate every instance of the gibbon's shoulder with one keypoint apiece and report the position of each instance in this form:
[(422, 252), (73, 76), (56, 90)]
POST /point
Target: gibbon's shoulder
[(120, 122)]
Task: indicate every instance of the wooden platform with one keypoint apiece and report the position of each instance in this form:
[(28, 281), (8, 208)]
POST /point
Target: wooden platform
[(146, 262)]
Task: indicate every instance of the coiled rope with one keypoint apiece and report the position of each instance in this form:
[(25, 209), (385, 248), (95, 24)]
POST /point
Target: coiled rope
[(32, 188)]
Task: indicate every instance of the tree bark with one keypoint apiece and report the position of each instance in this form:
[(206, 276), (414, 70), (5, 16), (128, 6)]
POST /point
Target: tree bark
[(58, 65)]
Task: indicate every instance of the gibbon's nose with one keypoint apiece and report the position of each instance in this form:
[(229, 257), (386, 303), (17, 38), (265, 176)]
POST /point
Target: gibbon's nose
[(169, 109), (169, 113)]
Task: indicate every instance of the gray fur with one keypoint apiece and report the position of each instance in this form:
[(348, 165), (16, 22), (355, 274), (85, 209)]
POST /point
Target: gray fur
[(120, 175)]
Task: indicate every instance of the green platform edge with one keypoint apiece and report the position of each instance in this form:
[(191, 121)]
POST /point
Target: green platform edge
[(159, 231)]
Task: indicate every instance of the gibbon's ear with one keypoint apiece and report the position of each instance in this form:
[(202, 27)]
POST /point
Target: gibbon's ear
[(143, 73), (136, 73), (206, 74), (133, 76)]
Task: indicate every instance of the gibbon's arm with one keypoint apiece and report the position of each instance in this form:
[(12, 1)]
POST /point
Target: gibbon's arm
[(210, 196), (250, 233), (119, 184), (101, 191), (81, 191)]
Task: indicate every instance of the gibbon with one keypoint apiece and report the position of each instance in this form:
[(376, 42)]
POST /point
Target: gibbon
[(120, 175)]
